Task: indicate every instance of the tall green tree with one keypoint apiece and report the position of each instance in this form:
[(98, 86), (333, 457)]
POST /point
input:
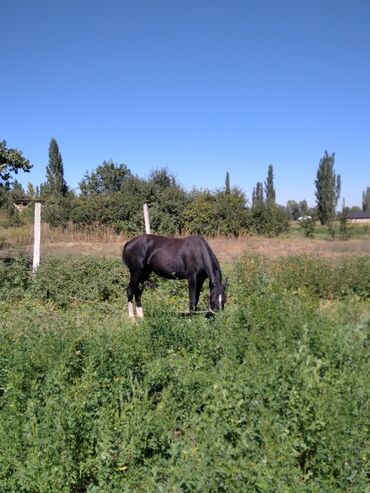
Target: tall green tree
[(11, 161), (269, 186), (328, 186), (227, 183), (257, 195), (55, 185), (109, 177), (167, 200), (366, 200), (17, 192)]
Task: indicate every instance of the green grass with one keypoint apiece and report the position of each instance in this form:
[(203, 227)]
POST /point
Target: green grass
[(270, 395), (358, 231)]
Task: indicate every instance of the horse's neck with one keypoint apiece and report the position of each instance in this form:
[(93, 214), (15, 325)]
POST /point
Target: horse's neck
[(215, 281), (214, 274)]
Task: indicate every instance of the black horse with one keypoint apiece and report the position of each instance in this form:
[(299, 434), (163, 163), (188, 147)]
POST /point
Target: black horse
[(173, 258)]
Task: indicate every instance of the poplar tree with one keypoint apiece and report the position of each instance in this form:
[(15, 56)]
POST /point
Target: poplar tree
[(328, 186), (366, 200), (269, 187), (227, 183), (257, 195), (55, 183)]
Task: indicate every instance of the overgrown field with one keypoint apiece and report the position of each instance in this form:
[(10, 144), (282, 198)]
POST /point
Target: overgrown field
[(270, 395)]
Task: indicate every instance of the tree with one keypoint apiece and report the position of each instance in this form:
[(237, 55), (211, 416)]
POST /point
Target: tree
[(366, 200), (269, 187), (345, 228), (17, 191), (11, 161), (55, 184), (31, 191), (328, 186), (167, 200), (292, 209), (231, 212), (200, 217), (257, 195), (227, 183), (109, 177)]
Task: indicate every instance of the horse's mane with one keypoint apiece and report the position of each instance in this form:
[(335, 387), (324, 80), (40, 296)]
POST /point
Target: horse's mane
[(208, 257)]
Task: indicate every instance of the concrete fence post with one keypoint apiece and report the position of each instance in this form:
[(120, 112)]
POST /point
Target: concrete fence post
[(37, 237), (146, 219)]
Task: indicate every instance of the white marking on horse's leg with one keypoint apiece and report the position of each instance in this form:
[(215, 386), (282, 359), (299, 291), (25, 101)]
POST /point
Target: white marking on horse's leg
[(139, 312), (130, 310), (220, 301)]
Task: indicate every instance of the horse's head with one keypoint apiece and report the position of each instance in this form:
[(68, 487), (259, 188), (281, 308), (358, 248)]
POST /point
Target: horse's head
[(217, 298)]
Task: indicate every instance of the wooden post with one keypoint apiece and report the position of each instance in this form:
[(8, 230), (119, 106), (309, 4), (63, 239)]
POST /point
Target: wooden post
[(146, 219), (37, 236)]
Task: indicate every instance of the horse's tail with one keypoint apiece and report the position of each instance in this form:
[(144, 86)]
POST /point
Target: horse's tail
[(124, 253)]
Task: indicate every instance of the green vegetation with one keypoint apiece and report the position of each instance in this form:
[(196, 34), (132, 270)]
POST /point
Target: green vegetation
[(328, 186), (11, 161), (270, 395)]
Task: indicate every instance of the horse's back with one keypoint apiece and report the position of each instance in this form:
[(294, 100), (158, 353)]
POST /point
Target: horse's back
[(141, 249)]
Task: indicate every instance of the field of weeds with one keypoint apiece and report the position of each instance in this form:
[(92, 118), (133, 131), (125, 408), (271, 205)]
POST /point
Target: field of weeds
[(270, 395)]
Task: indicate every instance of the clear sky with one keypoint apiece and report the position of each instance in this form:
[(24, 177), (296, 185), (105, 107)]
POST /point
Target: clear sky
[(198, 86)]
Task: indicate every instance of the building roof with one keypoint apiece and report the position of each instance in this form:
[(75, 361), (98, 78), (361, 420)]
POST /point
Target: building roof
[(359, 215)]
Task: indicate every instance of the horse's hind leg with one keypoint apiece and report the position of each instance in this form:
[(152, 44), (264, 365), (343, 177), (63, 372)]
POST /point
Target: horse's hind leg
[(135, 289), (139, 290), (193, 289), (131, 290)]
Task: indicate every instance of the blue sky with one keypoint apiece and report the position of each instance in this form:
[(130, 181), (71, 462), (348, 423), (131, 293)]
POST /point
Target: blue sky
[(199, 87)]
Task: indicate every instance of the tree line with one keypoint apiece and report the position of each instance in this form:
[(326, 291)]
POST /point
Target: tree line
[(112, 195)]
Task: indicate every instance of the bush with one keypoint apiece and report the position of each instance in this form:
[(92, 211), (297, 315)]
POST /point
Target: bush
[(64, 280), (315, 276)]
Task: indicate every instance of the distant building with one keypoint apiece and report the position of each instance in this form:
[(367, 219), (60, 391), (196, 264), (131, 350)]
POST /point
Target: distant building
[(359, 217)]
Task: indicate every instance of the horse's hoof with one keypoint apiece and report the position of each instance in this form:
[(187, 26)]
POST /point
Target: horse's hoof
[(139, 312)]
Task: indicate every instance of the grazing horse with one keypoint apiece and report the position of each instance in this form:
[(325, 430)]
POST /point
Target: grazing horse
[(173, 258)]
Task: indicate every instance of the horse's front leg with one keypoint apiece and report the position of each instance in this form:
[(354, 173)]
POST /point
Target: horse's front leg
[(193, 301)]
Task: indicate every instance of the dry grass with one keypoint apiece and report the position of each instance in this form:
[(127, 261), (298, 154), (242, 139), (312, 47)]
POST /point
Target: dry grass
[(230, 249), (103, 242)]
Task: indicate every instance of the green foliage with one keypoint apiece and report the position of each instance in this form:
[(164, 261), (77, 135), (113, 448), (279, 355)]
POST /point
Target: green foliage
[(314, 277), (307, 223), (55, 185), (58, 210), (328, 186), (270, 193), (15, 278), (11, 161), (366, 200), (168, 201), (295, 210), (268, 219), (222, 213), (231, 213), (271, 395), (345, 228), (64, 280), (200, 215), (107, 178)]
